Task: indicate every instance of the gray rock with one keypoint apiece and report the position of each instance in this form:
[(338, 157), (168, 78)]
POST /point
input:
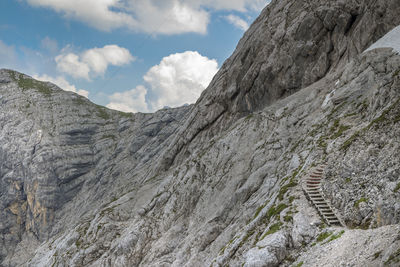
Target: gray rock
[(268, 252), (81, 185), (303, 230)]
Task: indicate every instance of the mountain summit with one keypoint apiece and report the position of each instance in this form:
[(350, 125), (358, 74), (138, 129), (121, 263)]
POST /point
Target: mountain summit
[(289, 157)]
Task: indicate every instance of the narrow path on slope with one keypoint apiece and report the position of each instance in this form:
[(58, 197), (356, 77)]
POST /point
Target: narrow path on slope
[(312, 189)]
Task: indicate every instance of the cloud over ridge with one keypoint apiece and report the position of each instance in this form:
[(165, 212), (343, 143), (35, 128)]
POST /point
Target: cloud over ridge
[(92, 62), (178, 79), (153, 17)]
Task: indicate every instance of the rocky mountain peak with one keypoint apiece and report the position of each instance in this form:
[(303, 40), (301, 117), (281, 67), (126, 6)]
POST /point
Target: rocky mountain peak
[(227, 181)]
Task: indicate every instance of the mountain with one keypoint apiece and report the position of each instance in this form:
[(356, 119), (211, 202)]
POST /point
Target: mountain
[(301, 104)]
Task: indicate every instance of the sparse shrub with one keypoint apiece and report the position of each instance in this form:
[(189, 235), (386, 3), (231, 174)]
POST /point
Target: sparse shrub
[(333, 237), (341, 130), (273, 229), (361, 200), (397, 188), (349, 141), (394, 258), (321, 237)]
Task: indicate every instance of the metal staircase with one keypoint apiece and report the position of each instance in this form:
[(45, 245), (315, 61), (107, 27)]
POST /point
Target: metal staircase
[(312, 189)]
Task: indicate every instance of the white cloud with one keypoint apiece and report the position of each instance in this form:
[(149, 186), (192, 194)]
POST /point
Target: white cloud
[(93, 62), (154, 17), (130, 101), (96, 13), (62, 83), (70, 63), (8, 55), (178, 79), (237, 22), (238, 5)]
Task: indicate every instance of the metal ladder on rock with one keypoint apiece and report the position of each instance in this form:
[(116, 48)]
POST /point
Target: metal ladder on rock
[(312, 189)]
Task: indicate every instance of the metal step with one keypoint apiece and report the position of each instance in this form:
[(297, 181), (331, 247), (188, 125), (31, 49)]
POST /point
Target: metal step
[(312, 188)]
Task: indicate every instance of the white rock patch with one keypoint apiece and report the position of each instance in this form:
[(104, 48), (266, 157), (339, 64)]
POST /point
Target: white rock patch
[(391, 39)]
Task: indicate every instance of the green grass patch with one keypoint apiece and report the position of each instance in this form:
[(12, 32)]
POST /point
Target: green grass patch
[(102, 112), (350, 115), (394, 258), (299, 264), (272, 229), (377, 254), (285, 188), (271, 212), (375, 122), (315, 130), (350, 140), (80, 101), (296, 145), (333, 237), (396, 119), (321, 142), (397, 188), (383, 116), (125, 114), (291, 183), (336, 109), (29, 83), (248, 235), (249, 117), (341, 130), (335, 125), (288, 218), (321, 237), (259, 209), (361, 200), (281, 207)]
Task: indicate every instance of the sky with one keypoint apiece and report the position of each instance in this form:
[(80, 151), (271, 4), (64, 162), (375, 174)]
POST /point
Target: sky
[(128, 55)]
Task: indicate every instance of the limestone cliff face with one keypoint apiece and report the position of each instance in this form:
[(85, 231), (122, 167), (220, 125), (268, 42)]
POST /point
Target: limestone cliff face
[(217, 183), (60, 154), (291, 45)]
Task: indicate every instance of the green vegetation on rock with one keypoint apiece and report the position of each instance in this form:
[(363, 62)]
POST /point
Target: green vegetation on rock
[(361, 200), (321, 237), (393, 259), (273, 229), (397, 188), (29, 83), (333, 237)]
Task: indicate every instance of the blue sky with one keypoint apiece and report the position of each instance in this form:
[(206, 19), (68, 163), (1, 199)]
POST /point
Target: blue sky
[(131, 55)]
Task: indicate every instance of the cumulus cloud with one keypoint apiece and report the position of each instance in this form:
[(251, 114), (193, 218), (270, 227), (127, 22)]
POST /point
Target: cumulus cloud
[(154, 17), (62, 83), (130, 101), (237, 22), (178, 79), (101, 14), (93, 62), (238, 5)]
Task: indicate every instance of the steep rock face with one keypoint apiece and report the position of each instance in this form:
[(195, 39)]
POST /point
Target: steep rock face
[(206, 185), (237, 200), (57, 147), (292, 44)]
